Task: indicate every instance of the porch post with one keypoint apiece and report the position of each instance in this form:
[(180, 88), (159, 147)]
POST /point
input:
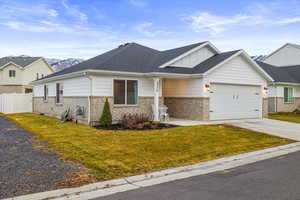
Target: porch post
[(156, 98)]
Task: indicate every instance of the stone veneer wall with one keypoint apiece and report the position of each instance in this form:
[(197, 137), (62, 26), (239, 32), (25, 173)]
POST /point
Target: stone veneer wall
[(265, 107), (271, 104), (194, 108), (144, 106), (12, 89), (287, 107), (52, 109)]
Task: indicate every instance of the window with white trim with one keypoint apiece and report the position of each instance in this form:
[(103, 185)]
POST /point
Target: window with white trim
[(12, 73), (288, 95), (59, 92), (46, 91), (125, 92)]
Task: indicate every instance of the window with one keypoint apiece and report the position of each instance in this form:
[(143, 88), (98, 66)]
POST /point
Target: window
[(288, 95), (59, 92), (12, 73), (46, 92), (37, 76), (125, 92)]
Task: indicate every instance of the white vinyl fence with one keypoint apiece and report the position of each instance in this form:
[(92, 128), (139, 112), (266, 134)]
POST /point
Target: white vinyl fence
[(15, 103)]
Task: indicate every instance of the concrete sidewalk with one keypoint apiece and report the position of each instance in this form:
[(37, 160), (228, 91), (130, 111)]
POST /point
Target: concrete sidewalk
[(278, 128)]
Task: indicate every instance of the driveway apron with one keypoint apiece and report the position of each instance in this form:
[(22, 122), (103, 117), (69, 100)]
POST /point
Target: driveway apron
[(272, 127)]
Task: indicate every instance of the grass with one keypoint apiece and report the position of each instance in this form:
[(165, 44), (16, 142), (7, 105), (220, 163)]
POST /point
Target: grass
[(286, 116), (114, 154)]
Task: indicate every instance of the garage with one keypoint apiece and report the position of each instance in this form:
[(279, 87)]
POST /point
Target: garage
[(235, 102)]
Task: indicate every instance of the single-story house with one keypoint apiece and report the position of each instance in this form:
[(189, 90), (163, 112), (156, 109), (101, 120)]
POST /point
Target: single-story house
[(196, 82), (17, 72), (283, 65)]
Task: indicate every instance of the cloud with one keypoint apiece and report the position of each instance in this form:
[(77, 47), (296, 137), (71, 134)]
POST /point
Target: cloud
[(289, 20), (138, 3), (74, 11), (146, 29), (52, 13), (272, 14), (13, 10), (213, 23)]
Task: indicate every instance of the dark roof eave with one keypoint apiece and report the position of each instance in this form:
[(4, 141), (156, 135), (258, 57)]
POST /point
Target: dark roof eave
[(106, 72)]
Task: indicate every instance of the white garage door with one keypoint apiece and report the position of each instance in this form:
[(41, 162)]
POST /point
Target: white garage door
[(234, 102)]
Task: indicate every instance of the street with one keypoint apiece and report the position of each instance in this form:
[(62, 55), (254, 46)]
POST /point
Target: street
[(277, 178)]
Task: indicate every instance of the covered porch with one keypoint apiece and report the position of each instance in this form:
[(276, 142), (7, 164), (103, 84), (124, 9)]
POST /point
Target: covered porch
[(185, 98)]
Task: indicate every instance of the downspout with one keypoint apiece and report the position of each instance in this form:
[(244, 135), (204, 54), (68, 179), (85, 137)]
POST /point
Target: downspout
[(89, 98), (276, 101)]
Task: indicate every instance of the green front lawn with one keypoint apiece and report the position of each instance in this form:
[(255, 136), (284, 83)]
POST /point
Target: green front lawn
[(286, 116), (113, 154)]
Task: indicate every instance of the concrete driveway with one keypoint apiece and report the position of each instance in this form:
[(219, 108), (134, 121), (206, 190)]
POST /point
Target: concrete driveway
[(273, 127)]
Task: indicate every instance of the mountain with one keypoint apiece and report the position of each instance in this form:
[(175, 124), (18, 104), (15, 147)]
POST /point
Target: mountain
[(258, 58), (60, 64)]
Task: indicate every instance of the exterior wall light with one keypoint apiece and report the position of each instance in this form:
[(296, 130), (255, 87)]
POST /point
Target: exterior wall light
[(207, 87), (266, 90)]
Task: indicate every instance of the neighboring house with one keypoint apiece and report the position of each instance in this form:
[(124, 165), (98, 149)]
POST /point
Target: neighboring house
[(16, 73), (286, 55), (283, 65), (196, 82)]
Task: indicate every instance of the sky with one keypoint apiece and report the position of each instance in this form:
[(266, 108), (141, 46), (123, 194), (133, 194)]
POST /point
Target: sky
[(86, 28)]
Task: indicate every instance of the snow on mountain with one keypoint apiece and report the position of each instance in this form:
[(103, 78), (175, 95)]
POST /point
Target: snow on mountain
[(60, 64), (258, 58)]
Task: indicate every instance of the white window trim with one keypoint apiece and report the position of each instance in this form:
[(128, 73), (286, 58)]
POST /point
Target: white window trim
[(46, 93), (60, 96), (12, 70), (113, 91), (292, 101)]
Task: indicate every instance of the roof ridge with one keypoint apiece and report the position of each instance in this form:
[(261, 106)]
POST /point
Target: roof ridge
[(185, 46)]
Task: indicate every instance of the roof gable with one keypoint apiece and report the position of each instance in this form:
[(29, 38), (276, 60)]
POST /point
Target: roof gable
[(20, 61), (247, 58)]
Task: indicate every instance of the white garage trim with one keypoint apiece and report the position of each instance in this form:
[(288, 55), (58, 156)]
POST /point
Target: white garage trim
[(230, 101)]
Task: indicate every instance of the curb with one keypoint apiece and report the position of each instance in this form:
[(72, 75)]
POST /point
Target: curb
[(134, 182)]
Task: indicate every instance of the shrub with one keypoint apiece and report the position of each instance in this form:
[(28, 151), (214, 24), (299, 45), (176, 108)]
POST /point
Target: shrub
[(296, 111), (134, 120), (106, 118)]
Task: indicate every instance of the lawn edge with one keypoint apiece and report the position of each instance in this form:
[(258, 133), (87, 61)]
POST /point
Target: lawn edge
[(134, 182)]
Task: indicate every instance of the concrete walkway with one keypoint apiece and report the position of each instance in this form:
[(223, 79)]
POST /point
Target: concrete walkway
[(186, 122), (273, 127)]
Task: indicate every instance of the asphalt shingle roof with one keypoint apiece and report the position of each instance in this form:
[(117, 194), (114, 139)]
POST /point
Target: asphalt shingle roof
[(133, 57), (22, 61), (289, 74)]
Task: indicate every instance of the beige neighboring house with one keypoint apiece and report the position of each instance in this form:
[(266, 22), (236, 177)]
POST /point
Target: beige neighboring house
[(16, 73), (283, 65)]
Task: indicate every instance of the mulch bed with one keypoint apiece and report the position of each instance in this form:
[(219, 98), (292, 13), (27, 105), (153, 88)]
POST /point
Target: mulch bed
[(156, 126)]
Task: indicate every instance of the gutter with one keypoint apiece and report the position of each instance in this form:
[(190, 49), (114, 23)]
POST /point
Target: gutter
[(59, 77), (106, 72), (286, 83)]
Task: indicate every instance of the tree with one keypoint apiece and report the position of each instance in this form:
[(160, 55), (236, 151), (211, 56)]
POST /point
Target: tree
[(106, 118)]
